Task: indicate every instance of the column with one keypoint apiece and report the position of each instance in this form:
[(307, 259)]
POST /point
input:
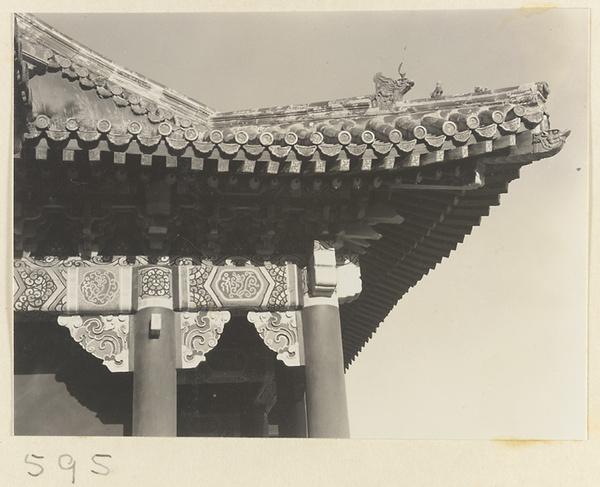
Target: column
[(327, 410), (154, 374), (154, 355)]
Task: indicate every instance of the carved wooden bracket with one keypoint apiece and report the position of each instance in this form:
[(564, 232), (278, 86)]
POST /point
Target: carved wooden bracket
[(200, 333), (108, 292), (108, 337), (105, 337), (282, 333), (322, 274)]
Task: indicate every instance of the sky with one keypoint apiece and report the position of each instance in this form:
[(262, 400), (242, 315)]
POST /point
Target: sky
[(492, 343)]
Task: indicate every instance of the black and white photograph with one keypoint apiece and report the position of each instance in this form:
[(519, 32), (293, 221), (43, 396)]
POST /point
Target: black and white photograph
[(338, 225)]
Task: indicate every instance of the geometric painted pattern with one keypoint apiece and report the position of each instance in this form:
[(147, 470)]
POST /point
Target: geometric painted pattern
[(250, 287), (39, 288), (155, 287), (71, 286)]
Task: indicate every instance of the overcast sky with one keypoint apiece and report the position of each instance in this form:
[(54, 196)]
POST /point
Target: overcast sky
[(493, 342)]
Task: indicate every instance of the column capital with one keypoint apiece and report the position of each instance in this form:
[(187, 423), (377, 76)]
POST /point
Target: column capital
[(332, 300), (322, 273)]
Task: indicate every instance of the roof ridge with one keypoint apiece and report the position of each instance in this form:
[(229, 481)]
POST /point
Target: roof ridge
[(55, 42), (364, 106)]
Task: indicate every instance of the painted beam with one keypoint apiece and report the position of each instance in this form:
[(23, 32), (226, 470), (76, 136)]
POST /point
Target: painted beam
[(269, 287), (82, 287)]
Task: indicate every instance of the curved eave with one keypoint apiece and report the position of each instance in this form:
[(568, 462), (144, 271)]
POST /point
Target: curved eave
[(435, 222)]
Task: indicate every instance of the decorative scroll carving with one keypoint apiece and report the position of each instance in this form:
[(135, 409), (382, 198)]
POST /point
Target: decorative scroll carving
[(322, 276), (200, 333), (282, 333), (154, 287), (389, 91), (99, 287), (172, 260), (105, 337), (41, 288), (38, 288), (72, 286), (84, 287), (266, 287), (240, 284), (53, 261), (155, 282)]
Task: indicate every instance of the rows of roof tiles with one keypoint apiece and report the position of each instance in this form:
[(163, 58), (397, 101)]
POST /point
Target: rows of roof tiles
[(334, 139), (452, 116), (456, 124)]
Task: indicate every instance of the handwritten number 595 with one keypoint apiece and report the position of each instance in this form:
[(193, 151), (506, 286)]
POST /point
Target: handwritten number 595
[(66, 462)]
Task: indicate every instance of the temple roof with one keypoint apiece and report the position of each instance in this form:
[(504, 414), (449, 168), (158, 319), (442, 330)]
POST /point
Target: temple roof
[(152, 119), (398, 182)]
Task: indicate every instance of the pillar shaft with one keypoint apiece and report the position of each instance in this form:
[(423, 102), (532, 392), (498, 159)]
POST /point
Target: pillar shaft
[(154, 376), (327, 410)]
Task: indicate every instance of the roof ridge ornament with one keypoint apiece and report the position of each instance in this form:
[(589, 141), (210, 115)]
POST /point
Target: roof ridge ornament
[(437, 92), (389, 91)]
